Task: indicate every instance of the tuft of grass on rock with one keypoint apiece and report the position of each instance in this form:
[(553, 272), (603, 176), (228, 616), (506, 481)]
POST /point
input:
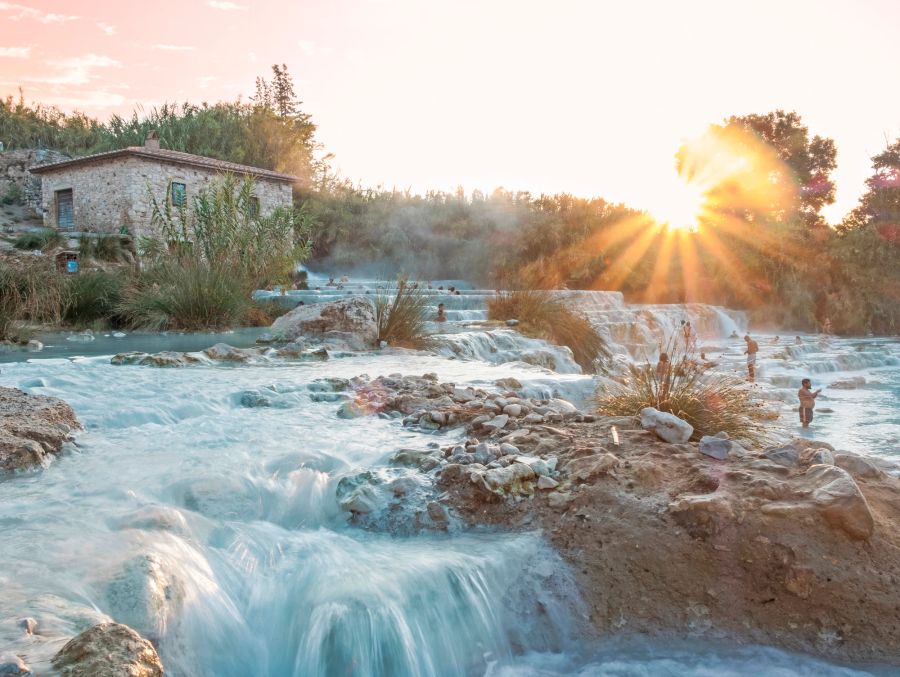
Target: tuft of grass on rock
[(401, 316), (711, 403), (543, 315)]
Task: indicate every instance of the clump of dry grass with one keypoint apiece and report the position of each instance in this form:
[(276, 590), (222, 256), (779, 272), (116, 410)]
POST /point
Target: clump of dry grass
[(543, 315), (711, 403), (401, 315)]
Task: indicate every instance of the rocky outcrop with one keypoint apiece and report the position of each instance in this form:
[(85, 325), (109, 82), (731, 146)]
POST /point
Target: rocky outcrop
[(222, 352), (779, 546), (108, 650), (349, 321), (422, 402), (32, 428)]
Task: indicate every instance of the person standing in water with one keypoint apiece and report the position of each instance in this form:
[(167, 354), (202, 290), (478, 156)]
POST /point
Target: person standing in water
[(440, 314), (752, 349), (807, 401)]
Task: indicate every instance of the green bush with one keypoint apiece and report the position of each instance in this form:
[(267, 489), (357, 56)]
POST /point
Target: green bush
[(40, 239), (711, 403), (401, 315), (194, 297), (93, 297), (13, 195), (543, 315)]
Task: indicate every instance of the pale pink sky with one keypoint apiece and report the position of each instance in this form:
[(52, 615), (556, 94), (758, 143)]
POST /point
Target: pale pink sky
[(587, 97)]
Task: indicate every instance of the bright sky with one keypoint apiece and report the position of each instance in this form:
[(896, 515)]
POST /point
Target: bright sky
[(589, 97)]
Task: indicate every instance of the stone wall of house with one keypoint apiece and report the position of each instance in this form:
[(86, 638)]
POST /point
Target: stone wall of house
[(116, 193), (99, 198), (14, 175), (154, 177)]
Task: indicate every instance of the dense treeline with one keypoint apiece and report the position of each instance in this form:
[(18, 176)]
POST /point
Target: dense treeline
[(762, 243)]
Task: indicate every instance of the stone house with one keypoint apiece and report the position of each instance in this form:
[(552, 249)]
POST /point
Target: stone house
[(109, 192)]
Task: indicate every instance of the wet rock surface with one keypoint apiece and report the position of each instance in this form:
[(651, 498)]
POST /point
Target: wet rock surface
[(771, 546), (223, 353), (351, 321), (108, 650), (32, 428)]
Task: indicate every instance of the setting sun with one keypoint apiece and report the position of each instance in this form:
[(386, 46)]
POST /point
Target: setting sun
[(681, 205)]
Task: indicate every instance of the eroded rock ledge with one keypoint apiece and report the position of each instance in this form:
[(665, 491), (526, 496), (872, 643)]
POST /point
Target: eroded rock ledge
[(795, 545), (32, 427)]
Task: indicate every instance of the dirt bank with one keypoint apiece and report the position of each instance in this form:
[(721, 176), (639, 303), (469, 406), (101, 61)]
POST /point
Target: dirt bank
[(779, 547)]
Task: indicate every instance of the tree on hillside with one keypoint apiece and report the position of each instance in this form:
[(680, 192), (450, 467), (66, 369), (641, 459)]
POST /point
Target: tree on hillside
[(867, 291), (278, 94), (811, 160)]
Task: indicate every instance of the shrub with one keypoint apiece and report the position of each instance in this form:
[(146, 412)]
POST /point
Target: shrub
[(191, 296), (401, 316), (543, 315), (13, 195), (93, 296), (40, 239), (710, 403), (36, 291), (224, 229), (103, 247)]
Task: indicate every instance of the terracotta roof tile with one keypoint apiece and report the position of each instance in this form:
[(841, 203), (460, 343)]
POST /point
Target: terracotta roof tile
[(171, 156)]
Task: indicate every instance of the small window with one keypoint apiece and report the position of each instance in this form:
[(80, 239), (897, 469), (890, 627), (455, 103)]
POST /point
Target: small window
[(65, 212), (179, 194), (254, 206)]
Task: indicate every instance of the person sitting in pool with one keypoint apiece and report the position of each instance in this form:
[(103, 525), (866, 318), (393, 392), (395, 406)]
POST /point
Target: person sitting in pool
[(734, 334), (440, 317), (798, 341), (807, 402)]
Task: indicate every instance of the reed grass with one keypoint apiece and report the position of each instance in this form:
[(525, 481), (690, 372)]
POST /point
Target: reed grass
[(543, 315), (192, 297), (401, 315), (711, 403)]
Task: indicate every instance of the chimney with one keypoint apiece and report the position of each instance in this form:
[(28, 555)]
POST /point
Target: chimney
[(152, 140)]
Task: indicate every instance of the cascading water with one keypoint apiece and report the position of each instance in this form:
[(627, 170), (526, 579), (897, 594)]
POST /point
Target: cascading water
[(210, 522), (213, 528)]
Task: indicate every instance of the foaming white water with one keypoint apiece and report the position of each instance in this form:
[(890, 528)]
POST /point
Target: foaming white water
[(500, 346), (214, 529)]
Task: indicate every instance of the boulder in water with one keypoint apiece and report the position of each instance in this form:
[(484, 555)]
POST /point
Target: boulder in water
[(32, 427), (108, 650), (352, 318), (667, 427), (145, 596)]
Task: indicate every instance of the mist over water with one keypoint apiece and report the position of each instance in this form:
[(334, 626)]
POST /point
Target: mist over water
[(214, 528)]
